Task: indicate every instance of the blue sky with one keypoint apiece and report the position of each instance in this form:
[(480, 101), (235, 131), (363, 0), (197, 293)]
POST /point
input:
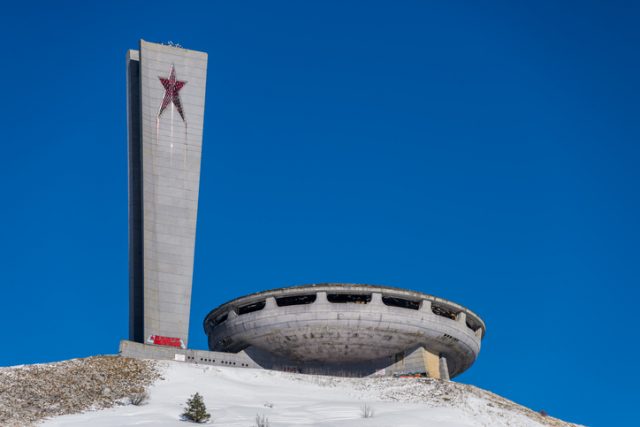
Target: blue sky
[(486, 153)]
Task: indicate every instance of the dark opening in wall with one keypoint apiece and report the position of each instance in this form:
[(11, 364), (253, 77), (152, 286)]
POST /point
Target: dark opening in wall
[(472, 325), (295, 300), (224, 342), (442, 311), (449, 338), (220, 319), (250, 308), (355, 298), (401, 302)]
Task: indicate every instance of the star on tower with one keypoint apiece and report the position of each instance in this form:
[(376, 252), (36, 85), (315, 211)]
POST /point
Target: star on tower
[(171, 89)]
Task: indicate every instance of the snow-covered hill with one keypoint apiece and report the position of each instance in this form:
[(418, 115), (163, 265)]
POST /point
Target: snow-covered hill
[(235, 396)]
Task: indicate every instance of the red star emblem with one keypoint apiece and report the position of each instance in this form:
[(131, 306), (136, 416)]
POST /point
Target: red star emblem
[(171, 89)]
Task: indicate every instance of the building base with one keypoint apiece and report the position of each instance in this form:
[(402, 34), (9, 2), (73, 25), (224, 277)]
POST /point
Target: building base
[(414, 362)]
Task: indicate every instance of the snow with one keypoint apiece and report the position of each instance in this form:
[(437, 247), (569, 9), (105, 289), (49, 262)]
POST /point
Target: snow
[(235, 396)]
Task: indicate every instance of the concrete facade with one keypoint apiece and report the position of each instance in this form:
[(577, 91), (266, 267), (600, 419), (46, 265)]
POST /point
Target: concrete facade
[(410, 362), (200, 357), (348, 328), (333, 328), (165, 104)]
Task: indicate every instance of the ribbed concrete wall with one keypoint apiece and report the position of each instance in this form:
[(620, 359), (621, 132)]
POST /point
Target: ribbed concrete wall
[(169, 163)]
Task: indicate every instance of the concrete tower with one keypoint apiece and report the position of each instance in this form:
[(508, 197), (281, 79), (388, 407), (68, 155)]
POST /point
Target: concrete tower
[(165, 109)]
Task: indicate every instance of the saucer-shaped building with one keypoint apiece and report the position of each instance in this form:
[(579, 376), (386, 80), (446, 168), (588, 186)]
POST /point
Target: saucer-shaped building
[(348, 329)]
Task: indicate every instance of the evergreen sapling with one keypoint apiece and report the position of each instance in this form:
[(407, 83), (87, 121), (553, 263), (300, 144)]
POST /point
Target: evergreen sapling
[(196, 411)]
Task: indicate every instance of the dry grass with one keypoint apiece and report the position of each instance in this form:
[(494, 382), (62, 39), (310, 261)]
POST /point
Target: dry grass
[(31, 393)]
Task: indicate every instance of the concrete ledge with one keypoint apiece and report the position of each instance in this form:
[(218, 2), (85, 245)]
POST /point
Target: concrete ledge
[(200, 357), (417, 361)]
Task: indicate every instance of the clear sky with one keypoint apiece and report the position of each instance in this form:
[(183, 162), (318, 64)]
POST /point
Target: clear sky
[(485, 152)]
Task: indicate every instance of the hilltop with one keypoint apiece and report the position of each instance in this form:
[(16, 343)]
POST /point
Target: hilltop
[(95, 391)]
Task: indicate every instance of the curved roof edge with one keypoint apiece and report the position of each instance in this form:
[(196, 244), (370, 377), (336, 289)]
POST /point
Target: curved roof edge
[(319, 287)]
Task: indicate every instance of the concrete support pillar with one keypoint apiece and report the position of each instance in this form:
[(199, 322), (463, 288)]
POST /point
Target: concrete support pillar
[(431, 364), (232, 314), (461, 317), (270, 303), (444, 368), (376, 298), (321, 297), (479, 332), (425, 306)]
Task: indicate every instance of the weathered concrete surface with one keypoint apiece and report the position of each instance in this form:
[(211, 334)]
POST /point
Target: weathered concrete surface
[(432, 363), (410, 362), (416, 361), (145, 351), (165, 142), (324, 335)]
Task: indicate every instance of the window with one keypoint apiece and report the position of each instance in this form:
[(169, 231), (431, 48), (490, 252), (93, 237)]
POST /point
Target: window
[(442, 311), (353, 298), (472, 325), (295, 300), (250, 308), (401, 302)]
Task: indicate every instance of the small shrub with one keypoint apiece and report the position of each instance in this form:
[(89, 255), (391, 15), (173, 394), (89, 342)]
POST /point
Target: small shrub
[(543, 413), (366, 411), (262, 421), (196, 411), (139, 399)]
